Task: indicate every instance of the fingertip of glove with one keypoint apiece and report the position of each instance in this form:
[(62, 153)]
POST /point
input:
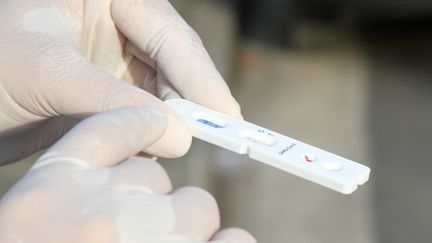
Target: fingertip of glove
[(233, 109), (176, 140)]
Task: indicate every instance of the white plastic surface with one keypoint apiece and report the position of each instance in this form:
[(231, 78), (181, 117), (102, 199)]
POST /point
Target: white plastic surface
[(266, 146)]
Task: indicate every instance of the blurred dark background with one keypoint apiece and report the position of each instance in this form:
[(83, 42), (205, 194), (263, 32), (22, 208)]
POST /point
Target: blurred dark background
[(352, 77), (275, 21)]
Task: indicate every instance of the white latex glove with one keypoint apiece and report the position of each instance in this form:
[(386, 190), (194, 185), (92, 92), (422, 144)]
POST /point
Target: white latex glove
[(71, 57), (85, 189)]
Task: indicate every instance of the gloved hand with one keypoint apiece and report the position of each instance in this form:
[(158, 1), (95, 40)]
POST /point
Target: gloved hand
[(85, 189), (71, 57)]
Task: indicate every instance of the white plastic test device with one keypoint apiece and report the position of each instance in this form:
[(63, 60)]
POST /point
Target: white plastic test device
[(271, 148)]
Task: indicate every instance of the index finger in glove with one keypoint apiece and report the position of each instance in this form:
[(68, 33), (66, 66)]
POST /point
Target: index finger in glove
[(110, 137)]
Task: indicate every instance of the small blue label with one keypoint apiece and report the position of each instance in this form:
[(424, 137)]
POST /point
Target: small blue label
[(209, 123)]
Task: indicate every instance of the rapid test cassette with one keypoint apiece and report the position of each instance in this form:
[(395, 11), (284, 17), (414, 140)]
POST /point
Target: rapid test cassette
[(272, 148)]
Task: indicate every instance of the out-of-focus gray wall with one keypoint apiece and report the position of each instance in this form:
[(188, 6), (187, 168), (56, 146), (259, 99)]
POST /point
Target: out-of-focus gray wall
[(359, 86)]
